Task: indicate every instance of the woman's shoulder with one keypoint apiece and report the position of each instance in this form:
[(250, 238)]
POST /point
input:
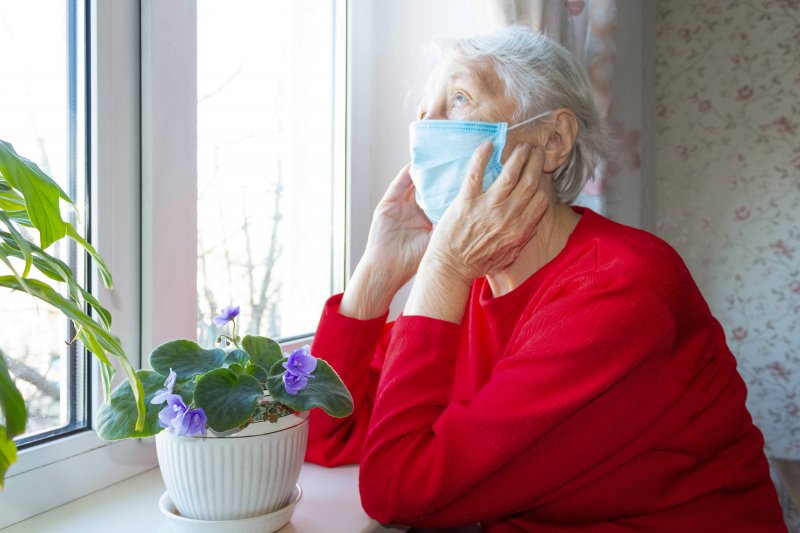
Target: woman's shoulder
[(608, 256), (624, 250)]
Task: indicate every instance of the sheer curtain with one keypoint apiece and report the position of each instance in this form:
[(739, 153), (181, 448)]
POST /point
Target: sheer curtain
[(589, 30)]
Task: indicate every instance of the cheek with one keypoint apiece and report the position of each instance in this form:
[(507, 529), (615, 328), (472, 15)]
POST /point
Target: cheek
[(461, 113), (515, 137)]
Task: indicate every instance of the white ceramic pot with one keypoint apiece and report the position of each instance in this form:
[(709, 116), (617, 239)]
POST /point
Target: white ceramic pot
[(243, 475)]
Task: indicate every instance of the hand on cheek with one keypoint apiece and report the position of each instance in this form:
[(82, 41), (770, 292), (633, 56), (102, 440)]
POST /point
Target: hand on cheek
[(484, 232)]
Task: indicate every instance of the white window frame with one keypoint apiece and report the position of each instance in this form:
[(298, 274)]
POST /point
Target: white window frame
[(143, 173), (359, 178)]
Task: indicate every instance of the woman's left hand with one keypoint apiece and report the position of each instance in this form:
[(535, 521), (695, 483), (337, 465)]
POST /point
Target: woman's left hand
[(484, 232)]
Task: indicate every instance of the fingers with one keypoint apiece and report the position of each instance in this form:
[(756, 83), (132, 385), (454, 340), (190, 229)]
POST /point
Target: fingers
[(473, 181), (533, 195), (512, 170), (532, 171), (399, 185)]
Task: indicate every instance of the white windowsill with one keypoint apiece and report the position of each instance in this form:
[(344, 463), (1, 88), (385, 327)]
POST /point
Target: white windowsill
[(330, 503)]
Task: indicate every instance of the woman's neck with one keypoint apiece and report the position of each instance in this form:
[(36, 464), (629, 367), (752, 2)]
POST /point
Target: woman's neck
[(551, 236)]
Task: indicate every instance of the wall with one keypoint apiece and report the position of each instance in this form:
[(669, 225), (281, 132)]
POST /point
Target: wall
[(727, 188)]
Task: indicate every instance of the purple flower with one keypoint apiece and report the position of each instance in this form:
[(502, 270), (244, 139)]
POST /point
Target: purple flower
[(193, 422), (226, 315), (301, 362), (183, 421), (294, 382), (169, 385), (173, 411)]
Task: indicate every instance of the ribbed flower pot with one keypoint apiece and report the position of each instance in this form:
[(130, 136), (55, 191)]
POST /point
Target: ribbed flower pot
[(247, 474)]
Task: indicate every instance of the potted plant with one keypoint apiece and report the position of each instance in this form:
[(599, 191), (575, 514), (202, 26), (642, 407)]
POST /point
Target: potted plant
[(30, 204), (230, 422)]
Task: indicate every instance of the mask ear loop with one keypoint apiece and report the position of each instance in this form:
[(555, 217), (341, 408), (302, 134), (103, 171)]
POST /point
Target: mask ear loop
[(528, 121)]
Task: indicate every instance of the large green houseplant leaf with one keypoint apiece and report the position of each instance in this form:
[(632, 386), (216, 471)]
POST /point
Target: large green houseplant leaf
[(30, 203), (13, 409)]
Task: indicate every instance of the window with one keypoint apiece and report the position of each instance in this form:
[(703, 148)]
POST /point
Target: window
[(268, 102), (266, 131), (43, 115), (56, 53)]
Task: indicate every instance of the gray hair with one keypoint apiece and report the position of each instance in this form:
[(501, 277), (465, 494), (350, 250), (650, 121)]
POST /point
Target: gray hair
[(541, 75)]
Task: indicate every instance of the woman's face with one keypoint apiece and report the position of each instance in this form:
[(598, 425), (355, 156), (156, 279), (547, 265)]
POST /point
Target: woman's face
[(470, 91)]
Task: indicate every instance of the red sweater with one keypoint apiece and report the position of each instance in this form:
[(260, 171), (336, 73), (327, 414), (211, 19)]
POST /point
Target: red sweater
[(599, 395)]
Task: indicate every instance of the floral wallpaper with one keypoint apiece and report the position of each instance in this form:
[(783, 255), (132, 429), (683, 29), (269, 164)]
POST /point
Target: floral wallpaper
[(727, 165), (727, 184)]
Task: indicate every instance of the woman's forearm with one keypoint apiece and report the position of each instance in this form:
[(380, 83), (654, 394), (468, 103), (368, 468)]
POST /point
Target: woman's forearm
[(369, 293), (439, 291)]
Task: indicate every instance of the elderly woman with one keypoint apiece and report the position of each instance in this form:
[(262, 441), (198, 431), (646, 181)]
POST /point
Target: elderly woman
[(552, 370)]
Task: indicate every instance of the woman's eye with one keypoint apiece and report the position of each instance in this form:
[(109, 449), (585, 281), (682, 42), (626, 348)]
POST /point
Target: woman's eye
[(459, 100)]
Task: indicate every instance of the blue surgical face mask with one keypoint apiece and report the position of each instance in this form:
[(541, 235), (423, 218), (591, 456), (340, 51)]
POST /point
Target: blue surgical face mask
[(440, 155)]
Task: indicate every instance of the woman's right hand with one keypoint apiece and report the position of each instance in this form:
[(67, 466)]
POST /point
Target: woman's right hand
[(398, 237)]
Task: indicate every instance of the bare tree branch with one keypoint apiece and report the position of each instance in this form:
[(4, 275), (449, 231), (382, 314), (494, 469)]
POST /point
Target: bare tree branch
[(221, 87), (272, 256), (51, 389)]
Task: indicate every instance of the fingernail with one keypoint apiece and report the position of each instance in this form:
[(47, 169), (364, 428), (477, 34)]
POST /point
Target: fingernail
[(486, 144)]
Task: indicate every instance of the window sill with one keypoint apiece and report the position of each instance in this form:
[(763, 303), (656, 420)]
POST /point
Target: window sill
[(330, 503)]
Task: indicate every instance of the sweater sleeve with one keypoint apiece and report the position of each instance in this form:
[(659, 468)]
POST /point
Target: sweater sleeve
[(355, 349), (580, 381)]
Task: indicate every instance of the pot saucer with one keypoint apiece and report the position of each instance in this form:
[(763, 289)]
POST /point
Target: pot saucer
[(267, 523)]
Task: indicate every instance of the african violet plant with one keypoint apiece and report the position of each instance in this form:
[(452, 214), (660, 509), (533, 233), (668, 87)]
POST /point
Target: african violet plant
[(191, 389)]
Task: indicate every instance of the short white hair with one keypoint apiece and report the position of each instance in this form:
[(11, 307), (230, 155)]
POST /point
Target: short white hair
[(541, 75)]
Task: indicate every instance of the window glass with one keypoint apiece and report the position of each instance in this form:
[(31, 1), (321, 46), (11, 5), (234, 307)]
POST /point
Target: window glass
[(265, 114), (42, 114)]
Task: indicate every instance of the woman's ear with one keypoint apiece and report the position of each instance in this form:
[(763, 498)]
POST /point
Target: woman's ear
[(560, 139)]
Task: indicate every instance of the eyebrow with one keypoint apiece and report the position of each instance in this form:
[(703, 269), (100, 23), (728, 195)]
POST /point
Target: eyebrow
[(473, 73)]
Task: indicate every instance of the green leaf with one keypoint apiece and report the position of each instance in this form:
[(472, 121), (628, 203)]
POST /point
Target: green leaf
[(107, 370), (263, 351), (10, 200), (186, 358), (14, 272), (40, 192), (8, 454), (107, 373), (21, 242), (21, 217), (35, 168), (185, 390), (105, 340), (102, 267), (227, 398), (115, 419), (258, 372), (11, 403), (57, 270), (325, 390), (12, 407), (237, 356)]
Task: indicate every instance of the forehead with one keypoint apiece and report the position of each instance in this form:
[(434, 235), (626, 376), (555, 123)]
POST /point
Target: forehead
[(477, 74)]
